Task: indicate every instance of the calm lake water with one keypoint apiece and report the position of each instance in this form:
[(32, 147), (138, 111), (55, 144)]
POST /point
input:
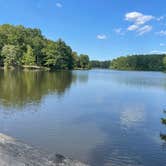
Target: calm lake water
[(102, 117)]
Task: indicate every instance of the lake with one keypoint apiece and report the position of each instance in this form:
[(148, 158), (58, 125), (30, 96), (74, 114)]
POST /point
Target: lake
[(102, 117)]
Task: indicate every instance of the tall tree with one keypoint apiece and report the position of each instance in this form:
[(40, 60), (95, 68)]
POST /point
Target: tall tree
[(84, 61), (76, 60), (11, 55), (28, 58), (50, 53), (64, 55)]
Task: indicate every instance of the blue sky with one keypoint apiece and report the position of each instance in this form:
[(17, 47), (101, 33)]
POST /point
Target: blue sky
[(103, 29)]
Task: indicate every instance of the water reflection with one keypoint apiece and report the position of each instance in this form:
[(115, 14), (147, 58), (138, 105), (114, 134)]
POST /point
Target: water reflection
[(116, 148), (99, 116), (132, 115), (163, 121), (140, 79), (18, 88)]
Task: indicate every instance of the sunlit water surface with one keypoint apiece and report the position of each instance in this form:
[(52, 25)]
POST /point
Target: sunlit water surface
[(102, 117)]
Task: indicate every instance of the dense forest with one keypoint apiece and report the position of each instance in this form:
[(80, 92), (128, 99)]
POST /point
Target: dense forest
[(100, 64), (27, 47), (24, 47), (154, 62)]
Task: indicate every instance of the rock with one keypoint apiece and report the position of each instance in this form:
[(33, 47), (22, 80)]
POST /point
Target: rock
[(16, 153)]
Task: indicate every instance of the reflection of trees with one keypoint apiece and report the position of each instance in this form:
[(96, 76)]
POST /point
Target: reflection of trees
[(163, 121), (18, 88), (81, 76), (139, 79), (163, 136)]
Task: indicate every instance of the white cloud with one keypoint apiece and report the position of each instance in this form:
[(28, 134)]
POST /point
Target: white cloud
[(144, 29), (132, 116), (101, 37), (162, 33), (138, 18), (59, 5), (132, 27)]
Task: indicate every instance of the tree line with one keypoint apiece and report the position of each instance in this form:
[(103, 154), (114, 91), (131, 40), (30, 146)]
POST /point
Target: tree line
[(152, 62), (100, 64), (24, 47), (20, 47)]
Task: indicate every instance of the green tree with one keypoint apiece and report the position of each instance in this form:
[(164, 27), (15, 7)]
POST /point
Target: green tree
[(76, 60), (28, 58), (139, 62), (100, 64), (34, 48), (58, 55), (84, 61), (11, 55), (50, 52), (64, 55), (164, 62), (37, 44)]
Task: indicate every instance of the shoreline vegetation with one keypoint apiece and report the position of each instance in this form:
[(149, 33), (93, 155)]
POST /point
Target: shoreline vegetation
[(27, 49), (149, 62), (22, 47)]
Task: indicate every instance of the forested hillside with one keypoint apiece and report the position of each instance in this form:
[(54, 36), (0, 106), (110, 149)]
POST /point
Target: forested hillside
[(20, 46), (140, 62)]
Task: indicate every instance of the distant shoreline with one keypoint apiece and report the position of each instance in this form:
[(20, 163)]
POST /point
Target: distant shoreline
[(41, 68), (26, 67)]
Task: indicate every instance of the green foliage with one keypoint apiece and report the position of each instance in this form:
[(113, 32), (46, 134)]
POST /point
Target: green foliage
[(80, 61), (58, 55), (11, 55), (164, 62), (28, 57), (139, 62), (50, 52), (84, 61), (76, 60), (163, 120), (100, 64), (64, 58), (1, 60), (34, 49)]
